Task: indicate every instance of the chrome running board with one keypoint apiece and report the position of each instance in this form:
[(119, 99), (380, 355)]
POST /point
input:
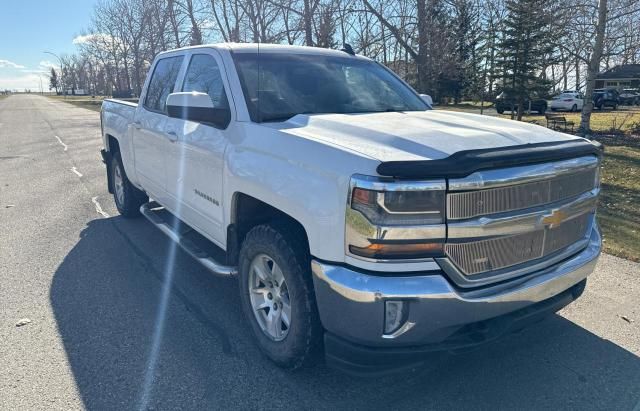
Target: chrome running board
[(183, 235)]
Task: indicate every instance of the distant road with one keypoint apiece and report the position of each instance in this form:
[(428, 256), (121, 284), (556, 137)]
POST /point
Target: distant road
[(90, 281)]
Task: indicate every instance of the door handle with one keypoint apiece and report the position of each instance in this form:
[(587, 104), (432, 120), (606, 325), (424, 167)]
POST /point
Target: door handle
[(137, 125), (172, 136)]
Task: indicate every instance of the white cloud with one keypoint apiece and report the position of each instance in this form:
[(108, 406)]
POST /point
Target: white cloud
[(82, 39), (48, 65), (94, 37), (10, 64), (35, 71), (21, 82)]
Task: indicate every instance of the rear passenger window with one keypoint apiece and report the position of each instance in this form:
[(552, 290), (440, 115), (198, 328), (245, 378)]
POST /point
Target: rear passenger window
[(203, 75), (162, 81)]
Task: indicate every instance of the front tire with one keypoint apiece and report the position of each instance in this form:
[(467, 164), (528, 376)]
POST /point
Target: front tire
[(277, 294), (127, 197)]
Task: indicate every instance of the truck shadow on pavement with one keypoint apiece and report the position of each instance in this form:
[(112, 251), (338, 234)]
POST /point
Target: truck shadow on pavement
[(108, 290)]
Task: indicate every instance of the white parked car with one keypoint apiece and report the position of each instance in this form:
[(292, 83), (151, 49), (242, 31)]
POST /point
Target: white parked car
[(357, 219), (570, 101)]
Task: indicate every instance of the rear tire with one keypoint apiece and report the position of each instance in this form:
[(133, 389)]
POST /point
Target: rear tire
[(127, 197), (274, 257)]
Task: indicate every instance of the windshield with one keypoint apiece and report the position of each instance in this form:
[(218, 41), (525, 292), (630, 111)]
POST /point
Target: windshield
[(291, 84)]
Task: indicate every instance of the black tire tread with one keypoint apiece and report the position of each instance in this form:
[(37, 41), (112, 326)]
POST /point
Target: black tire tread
[(133, 197), (291, 243)]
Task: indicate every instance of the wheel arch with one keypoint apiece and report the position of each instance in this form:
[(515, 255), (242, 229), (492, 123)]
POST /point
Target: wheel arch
[(247, 212)]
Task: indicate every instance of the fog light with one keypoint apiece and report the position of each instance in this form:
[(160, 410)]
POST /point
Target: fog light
[(394, 316)]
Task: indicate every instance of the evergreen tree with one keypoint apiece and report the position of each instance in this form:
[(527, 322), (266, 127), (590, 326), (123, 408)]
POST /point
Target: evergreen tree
[(527, 40), (53, 80)]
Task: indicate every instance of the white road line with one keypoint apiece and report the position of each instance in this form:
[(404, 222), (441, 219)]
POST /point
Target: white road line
[(99, 209), (79, 174), (63, 144)]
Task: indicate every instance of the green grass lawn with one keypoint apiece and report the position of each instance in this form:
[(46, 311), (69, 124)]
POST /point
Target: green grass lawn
[(85, 101), (619, 208), (602, 121)]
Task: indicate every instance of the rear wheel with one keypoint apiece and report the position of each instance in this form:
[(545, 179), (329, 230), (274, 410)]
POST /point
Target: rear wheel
[(277, 294), (127, 197)]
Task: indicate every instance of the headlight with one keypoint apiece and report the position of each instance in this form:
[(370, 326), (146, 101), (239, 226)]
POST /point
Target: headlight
[(395, 220), (399, 207)]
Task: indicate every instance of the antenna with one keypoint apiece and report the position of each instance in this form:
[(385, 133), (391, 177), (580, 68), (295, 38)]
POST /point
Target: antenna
[(346, 47)]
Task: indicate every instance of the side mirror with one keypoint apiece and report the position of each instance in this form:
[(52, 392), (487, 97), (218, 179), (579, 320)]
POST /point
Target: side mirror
[(427, 99), (195, 106)]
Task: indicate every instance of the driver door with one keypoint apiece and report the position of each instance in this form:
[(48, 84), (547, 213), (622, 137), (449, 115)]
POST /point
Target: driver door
[(196, 158)]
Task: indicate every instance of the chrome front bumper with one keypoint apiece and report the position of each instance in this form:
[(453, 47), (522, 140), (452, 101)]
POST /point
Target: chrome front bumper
[(351, 303)]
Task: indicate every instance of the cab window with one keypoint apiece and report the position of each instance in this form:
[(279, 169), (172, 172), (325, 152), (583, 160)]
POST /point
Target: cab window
[(162, 82), (203, 75)]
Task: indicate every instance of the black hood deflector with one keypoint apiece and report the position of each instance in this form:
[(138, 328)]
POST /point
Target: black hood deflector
[(463, 163)]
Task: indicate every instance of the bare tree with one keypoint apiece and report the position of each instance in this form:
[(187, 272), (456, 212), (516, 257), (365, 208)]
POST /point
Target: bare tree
[(594, 66)]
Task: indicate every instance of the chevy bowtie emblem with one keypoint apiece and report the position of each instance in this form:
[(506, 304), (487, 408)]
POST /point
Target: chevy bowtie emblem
[(555, 218)]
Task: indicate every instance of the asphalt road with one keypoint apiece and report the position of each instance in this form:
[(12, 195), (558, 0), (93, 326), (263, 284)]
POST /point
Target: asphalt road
[(91, 283)]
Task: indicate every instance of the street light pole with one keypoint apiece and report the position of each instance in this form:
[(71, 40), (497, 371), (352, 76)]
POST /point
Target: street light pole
[(60, 62)]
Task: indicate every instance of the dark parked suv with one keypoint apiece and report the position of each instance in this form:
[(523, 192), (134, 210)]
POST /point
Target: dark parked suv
[(505, 102), (630, 97), (605, 98)]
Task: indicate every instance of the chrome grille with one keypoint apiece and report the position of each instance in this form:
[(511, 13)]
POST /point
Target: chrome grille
[(516, 197), (476, 257), (566, 234)]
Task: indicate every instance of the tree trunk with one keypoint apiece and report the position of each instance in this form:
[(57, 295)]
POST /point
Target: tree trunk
[(308, 23), (577, 74), (422, 46), (592, 70)]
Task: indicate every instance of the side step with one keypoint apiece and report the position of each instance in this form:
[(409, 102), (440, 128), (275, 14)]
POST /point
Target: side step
[(187, 238)]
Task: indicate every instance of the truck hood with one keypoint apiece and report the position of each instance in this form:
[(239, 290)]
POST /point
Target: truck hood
[(424, 135)]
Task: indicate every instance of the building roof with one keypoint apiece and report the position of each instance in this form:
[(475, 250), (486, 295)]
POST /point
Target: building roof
[(623, 71)]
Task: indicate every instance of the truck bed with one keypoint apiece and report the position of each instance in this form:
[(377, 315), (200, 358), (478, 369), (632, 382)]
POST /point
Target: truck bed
[(116, 116)]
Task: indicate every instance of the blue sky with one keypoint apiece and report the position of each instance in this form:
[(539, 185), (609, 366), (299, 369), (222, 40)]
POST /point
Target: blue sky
[(27, 28)]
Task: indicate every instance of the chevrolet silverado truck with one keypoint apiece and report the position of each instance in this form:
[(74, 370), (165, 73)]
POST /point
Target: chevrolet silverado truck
[(360, 223)]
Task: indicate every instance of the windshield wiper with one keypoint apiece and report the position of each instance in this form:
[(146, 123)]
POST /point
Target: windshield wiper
[(280, 117)]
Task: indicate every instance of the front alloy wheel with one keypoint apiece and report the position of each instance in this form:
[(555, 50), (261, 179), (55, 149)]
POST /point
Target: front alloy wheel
[(269, 297), (277, 294)]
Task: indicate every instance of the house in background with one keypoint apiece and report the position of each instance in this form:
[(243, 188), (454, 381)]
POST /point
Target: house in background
[(620, 77)]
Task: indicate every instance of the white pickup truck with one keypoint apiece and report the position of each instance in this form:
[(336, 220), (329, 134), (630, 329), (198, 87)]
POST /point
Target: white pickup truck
[(360, 222)]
